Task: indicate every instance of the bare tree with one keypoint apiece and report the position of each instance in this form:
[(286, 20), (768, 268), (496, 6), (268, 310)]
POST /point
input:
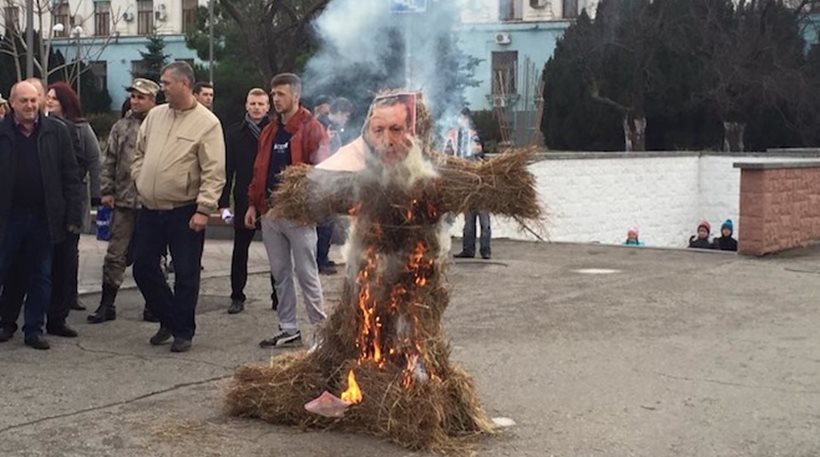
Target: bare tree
[(88, 48)]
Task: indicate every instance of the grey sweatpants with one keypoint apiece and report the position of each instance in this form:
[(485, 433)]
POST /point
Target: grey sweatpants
[(292, 248)]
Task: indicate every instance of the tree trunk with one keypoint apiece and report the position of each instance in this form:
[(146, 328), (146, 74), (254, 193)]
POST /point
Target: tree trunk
[(634, 133), (733, 133)]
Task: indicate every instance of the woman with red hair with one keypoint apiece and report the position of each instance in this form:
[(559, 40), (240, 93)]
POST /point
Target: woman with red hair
[(64, 104)]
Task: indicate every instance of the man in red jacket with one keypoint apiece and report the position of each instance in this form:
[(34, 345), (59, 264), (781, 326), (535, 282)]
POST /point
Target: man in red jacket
[(293, 137)]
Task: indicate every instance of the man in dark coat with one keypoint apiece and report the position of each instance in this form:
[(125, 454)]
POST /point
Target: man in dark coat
[(241, 143), (40, 202)]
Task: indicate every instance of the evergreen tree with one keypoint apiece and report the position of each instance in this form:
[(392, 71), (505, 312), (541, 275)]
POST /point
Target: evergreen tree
[(154, 58)]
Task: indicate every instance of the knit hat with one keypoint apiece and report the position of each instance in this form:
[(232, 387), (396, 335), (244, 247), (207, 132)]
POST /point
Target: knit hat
[(706, 225), (727, 224), (632, 230)]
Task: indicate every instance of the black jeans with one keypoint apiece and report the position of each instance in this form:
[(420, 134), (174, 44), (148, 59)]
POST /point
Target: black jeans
[(242, 238), (324, 233), (64, 269), (155, 230), (25, 256), (63, 279)]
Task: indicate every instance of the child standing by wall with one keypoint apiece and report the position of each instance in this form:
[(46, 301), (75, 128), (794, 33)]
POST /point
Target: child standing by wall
[(701, 240), (726, 242), (632, 237)]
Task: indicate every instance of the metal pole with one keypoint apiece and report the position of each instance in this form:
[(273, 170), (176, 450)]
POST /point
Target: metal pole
[(78, 68), (30, 38), (211, 41)]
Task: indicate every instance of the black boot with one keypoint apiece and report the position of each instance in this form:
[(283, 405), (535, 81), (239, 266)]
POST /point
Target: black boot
[(106, 311)]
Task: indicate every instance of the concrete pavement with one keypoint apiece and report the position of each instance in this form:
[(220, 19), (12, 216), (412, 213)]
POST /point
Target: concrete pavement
[(592, 350)]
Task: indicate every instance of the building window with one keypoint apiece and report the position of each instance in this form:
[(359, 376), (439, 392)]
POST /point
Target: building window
[(99, 71), (61, 14), (145, 17), (12, 18), (511, 10), (102, 18), (139, 68), (570, 9), (504, 65), (189, 9)]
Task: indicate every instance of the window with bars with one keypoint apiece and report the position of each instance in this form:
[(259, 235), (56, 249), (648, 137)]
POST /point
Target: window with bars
[(570, 9), (504, 65), (145, 17), (61, 14), (11, 16), (99, 71), (189, 10), (102, 18)]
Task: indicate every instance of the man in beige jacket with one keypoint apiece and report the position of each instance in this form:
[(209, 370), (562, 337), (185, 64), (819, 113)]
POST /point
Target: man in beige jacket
[(179, 171)]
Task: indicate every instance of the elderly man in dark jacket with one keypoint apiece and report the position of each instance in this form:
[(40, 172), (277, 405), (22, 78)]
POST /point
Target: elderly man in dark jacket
[(40, 201)]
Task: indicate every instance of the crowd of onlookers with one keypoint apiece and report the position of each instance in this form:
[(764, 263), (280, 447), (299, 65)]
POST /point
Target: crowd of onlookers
[(701, 240), (165, 168)]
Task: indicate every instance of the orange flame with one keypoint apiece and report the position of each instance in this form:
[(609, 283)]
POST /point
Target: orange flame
[(353, 394)]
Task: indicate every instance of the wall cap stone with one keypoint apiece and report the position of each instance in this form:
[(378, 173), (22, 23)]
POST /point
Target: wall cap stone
[(776, 165), (593, 155)]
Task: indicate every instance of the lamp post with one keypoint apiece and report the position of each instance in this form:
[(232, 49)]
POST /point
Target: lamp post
[(77, 32), (211, 41), (29, 38)]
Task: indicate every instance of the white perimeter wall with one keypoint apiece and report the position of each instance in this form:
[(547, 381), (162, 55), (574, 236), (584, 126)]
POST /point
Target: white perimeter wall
[(595, 200)]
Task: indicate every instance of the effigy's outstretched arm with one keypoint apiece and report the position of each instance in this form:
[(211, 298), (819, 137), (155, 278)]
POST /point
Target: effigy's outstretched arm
[(310, 195), (502, 185)]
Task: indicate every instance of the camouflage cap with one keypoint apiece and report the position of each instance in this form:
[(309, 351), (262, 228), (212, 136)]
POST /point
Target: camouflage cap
[(144, 86)]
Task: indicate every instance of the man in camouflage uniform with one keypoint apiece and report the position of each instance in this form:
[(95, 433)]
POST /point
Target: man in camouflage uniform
[(119, 192)]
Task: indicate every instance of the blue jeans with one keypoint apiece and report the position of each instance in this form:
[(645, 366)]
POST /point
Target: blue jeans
[(156, 230), (324, 233), (470, 229), (27, 239)]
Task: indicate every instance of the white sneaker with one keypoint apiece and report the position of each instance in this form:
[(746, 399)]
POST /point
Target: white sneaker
[(283, 339)]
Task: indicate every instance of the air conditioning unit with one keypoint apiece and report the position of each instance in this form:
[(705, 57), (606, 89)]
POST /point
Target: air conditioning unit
[(502, 38), (539, 4), (128, 17)]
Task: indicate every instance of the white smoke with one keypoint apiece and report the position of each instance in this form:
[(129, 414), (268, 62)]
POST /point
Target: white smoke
[(362, 33)]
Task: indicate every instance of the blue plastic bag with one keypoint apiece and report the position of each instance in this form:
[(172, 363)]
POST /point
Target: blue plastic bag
[(104, 214)]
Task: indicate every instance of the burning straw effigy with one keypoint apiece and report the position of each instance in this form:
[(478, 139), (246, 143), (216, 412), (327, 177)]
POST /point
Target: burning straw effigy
[(383, 349)]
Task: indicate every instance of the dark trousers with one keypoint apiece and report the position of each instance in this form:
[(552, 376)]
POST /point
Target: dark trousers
[(155, 230), (470, 232), (25, 254), (324, 233), (64, 270), (242, 238)]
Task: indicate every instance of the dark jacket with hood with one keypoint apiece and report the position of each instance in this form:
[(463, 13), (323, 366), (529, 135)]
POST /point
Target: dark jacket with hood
[(698, 243), (62, 188)]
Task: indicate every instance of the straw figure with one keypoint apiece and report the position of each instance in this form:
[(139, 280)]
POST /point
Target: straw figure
[(383, 347)]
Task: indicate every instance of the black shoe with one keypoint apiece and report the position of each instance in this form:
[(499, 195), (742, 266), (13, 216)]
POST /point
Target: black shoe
[(283, 339), (6, 333), (331, 263), (102, 314), (464, 255), (61, 330), (181, 345), (77, 306), (237, 306), (327, 270), (162, 336), (106, 311), (148, 316), (486, 256), (37, 342)]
